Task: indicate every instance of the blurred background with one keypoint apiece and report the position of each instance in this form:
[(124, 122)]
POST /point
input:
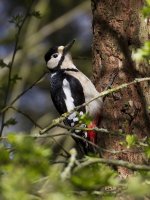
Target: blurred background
[(60, 21)]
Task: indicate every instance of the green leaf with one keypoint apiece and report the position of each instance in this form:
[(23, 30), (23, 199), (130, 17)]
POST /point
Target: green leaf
[(148, 2), (4, 155), (146, 11), (36, 14), (17, 20), (10, 121), (94, 176), (2, 64), (136, 186), (142, 53), (85, 119), (29, 154), (15, 78), (131, 140), (147, 152)]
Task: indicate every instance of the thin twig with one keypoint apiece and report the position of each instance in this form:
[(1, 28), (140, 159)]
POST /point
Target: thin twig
[(89, 161), (112, 151), (22, 93), (11, 65), (99, 149), (59, 162), (26, 115), (85, 129), (66, 152)]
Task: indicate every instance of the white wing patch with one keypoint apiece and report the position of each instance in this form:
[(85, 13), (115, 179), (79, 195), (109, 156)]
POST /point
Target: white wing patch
[(69, 101)]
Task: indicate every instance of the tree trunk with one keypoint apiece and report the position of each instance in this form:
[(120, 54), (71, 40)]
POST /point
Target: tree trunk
[(118, 26)]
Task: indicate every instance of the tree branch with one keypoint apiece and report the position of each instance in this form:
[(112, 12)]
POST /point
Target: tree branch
[(89, 161), (57, 121), (99, 149), (67, 171)]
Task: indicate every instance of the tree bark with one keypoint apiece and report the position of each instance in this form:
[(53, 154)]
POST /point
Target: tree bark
[(118, 27)]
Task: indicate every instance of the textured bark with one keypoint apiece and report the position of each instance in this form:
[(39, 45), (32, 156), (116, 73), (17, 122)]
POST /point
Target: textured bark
[(118, 26)]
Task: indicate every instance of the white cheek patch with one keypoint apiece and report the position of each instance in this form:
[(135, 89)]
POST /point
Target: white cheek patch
[(53, 62)]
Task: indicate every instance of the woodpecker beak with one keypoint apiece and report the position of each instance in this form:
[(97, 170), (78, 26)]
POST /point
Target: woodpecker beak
[(68, 46)]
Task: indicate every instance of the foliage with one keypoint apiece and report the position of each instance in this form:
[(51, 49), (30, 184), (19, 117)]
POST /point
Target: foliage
[(131, 140), (144, 51), (146, 9), (10, 121), (17, 20), (36, 14), (99, 176), (27, 172), (2, 64)]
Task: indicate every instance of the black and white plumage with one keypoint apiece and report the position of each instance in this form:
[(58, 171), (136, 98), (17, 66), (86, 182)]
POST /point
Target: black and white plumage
[(69, 88)]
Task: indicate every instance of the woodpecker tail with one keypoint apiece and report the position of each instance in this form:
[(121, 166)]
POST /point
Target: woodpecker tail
[(85, 146)]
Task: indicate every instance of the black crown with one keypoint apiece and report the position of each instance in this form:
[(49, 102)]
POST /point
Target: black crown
[(50, 53)]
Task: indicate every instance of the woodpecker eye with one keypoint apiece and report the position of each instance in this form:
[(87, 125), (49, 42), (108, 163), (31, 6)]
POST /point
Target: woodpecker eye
[(55, 55)]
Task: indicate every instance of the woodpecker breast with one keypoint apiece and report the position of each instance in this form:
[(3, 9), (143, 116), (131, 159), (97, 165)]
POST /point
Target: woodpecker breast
[(89, 90)]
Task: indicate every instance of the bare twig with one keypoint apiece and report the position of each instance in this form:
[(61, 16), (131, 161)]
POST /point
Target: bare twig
[(85, 129), (66, 152), (26, 115), (59, 162), (11, 65), (67, 171), (99, 149), (68, 134), (22, 93), (89, 161)]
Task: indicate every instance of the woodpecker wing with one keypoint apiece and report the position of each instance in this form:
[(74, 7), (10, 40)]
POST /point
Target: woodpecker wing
[(66, 92), (57, 93)]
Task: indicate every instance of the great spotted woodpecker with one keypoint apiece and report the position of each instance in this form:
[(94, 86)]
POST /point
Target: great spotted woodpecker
[(69, 88)]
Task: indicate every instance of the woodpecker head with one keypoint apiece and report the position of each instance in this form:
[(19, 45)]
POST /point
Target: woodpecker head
[(58, 57)]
